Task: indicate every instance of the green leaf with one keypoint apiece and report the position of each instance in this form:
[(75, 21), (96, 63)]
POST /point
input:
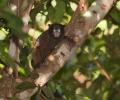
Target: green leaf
[(25, 85), (3, 3), (59, 10), (115, 15), (69, 10), (35, 11), (55, 14), (51, 12), (22, 70), (4, 56), (118, 5), (13, 21), (95, 44), (102, 25), (15, 24), (13, 98), (3, 34)]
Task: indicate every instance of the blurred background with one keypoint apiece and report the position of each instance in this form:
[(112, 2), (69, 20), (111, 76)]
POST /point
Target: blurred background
[(92, 74)]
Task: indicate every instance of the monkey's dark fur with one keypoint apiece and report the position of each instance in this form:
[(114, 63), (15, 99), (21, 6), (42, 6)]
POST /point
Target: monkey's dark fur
[(47, 42)]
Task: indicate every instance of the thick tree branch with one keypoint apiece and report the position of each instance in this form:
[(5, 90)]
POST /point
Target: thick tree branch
[(79, 33)]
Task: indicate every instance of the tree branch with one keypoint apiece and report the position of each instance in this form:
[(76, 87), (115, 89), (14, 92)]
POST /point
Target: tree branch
[(79, 33)]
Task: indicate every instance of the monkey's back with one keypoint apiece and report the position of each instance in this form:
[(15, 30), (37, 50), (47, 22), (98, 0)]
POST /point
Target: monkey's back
[(45, 47)]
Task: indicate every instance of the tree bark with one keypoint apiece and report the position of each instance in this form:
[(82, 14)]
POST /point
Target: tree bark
[(80, 31)]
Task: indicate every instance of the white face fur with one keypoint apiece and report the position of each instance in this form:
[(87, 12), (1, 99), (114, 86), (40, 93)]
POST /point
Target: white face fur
[(56, 32)]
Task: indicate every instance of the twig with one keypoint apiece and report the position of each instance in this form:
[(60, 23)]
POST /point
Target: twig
[(103, 71)]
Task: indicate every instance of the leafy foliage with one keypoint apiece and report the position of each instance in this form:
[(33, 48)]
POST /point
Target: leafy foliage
[(102, 48)]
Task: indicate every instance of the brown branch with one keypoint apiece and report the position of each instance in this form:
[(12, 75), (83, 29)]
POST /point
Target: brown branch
[(82, 79), (14, 50), (79, 33), (25, 15), (81, 8), (102, 69), (28, 8)]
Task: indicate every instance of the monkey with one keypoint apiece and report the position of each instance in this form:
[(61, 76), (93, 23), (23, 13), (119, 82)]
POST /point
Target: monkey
[(46, 43)]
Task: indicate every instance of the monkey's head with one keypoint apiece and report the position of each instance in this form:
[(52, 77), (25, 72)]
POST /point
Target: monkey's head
[(56, 30)]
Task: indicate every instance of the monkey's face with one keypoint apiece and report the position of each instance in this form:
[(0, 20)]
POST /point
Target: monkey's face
[(57, 30)]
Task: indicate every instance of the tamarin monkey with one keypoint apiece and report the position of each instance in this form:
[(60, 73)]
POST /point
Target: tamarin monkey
[(47, 42)]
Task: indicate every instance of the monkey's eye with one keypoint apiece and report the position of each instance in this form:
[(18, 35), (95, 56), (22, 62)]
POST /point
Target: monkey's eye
[(56, 30)]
